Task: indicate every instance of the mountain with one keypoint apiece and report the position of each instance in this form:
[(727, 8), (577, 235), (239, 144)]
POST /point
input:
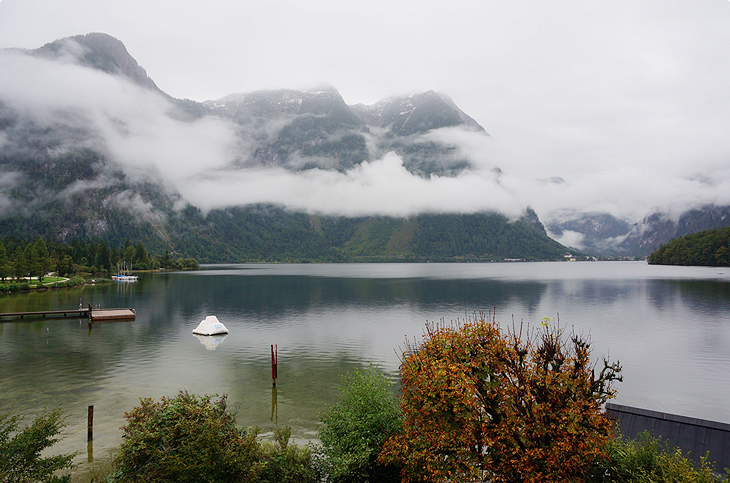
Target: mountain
[(98, 51), (70, 169), (604, 234), (317, 129), (314, 129)]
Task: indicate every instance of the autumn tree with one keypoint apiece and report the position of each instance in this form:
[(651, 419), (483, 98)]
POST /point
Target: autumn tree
[(480, 404)]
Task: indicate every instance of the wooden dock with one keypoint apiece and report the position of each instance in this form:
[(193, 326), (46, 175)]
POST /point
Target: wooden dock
[(94, 315), (111, 315)]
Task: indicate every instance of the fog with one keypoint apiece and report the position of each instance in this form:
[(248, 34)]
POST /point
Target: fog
[(617, 107)]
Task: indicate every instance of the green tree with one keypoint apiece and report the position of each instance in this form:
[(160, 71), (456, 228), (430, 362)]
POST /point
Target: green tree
[(20, 450), (43, 259), (141, 259), (186, 438), (103, 259), (32, 261), (65, 266), (114, 256), (356, 428), (480, 404), (20, 264), (128, 255), (189, 264), (5, 268), (722, 257)]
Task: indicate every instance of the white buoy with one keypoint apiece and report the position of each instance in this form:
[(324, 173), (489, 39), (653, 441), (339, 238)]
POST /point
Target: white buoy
[(210, 326)]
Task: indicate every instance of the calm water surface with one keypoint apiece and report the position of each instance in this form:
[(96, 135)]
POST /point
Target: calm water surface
[(669, 327)]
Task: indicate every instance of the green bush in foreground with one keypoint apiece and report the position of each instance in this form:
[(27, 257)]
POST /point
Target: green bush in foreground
[(20, 451), (286, 463), (356, 428), (192, 438), (187, 438), (645, 459)]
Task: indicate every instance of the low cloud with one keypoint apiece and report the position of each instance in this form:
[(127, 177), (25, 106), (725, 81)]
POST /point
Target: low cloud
[(382, 187), (133, 202), (205, 160)]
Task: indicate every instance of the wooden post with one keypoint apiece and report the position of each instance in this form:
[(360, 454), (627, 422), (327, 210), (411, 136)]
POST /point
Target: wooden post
[(274, 405), (90, 424), (274, 364)]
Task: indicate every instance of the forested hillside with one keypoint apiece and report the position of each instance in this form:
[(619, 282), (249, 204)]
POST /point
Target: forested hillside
[(266, 233), (706, 248)]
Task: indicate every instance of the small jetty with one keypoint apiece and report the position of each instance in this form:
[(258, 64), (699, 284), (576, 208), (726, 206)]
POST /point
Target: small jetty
[(94, 315), (111, 315)]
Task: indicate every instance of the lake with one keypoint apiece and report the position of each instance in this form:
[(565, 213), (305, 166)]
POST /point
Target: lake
[(668, 326)]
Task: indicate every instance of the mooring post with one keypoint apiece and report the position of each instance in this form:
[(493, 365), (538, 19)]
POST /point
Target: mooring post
[(274, 405), (274, 364), (90, 424)]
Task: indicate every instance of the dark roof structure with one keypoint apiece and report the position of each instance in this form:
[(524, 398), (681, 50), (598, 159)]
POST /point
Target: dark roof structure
[(695, 437)]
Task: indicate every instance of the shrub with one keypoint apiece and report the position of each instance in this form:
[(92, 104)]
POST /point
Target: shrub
[(645, 459), (14, 287), (20, 451), (479, 404), (74, 281), (356, 427), (189, 264), (187, 438), (286, 463)]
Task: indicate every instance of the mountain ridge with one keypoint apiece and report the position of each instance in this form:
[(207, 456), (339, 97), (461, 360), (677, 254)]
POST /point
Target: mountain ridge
[(61, 174)]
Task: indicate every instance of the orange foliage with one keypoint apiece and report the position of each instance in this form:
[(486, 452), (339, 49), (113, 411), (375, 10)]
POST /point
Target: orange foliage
[(479, 404)]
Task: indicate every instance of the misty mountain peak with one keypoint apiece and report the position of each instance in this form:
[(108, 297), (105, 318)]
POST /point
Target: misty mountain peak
[(98, 51), (415, 114), (271, 104)]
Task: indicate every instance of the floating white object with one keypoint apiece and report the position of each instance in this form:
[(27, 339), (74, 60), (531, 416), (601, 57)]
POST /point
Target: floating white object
[(210, 326)]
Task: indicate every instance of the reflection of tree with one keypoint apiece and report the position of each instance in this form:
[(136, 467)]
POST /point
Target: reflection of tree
[(709, 297), (590, 291)]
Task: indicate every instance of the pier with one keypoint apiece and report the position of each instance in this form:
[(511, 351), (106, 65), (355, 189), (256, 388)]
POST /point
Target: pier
[(94, 315)]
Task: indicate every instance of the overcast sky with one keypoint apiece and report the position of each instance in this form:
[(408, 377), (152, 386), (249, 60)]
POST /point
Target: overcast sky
[(628, 101)]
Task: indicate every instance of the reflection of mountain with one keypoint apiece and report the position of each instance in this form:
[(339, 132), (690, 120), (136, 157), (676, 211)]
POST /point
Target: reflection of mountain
[(267, 295)]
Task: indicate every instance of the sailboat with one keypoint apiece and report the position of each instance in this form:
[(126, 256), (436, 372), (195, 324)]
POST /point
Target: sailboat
[(124, 273)]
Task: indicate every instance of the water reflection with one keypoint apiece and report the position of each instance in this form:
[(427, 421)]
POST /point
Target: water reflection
[(670, 328), (210, 342)]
